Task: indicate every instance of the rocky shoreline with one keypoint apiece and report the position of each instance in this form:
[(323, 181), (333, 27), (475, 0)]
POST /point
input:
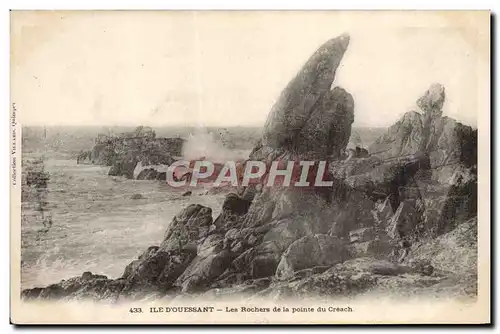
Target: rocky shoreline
[(127, 153), (400, 220)]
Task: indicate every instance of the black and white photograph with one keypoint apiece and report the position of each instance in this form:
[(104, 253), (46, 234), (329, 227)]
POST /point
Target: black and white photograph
[(280, 167)]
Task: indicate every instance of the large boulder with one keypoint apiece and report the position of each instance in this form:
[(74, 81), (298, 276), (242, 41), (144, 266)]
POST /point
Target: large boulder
[(203, 270), (124, 166), (187, 227), (312, 251), (297, 102), (453, 252), (157, 269), (327, 131)]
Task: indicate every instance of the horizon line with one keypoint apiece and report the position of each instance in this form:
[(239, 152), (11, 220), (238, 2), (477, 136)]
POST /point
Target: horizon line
[(174, 125)]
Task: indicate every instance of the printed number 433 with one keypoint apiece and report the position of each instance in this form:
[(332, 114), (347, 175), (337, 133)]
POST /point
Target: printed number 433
[(135, 310)]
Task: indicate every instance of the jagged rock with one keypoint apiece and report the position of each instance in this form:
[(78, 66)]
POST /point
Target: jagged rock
[(235, 205), (157, 269), (239, 247), (361, 152), (327, 131), (184, 230), (376, 180), (258, 262), (284, 232), (253, 240), (362, 234), (312, 251), (452, 252), (380, 248), (304, 273), (354, 213), (233, 208), (77, 286), (377, 267), (147, 174), (433, 99), (453, 143), (443, 139), (405, 220), (382, 212), (448, 202), (295, 104), (132, 267), (124, 166), (266, 261), (261, 210), (123, 153), (211, 245), (203, 270)]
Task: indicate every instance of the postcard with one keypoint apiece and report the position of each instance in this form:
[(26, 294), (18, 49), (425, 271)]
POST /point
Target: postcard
[(250, 167)]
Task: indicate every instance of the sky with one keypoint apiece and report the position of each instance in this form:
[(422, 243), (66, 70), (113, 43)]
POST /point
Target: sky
[(228, 68)]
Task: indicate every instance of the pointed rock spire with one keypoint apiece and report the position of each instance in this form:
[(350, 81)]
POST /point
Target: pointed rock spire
[(296, 103)]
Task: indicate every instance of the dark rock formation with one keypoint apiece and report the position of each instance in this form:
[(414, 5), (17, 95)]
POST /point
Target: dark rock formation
[(156, 269), (147, 174), (124, 151), (187, 227), (455, 251), (297, 102), (352, 277), (443, 139), (312, 251), (124, 166), (87, 285)]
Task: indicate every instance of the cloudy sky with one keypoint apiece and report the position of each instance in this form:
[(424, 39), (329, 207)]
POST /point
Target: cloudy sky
[(228, 68)]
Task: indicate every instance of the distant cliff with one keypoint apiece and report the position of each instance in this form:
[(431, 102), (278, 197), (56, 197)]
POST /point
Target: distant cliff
[(124, 151)]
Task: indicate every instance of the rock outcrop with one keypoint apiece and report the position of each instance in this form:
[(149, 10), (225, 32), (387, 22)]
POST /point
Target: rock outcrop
[(359, 235), (443, 139), (124, 152)]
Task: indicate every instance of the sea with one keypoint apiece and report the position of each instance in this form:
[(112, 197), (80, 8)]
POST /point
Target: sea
[(97, 225)]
